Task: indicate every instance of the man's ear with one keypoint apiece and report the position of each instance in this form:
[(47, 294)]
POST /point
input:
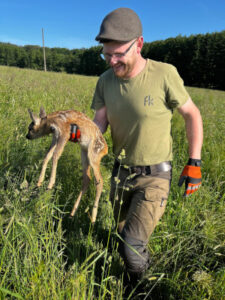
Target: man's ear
[(140, 43)]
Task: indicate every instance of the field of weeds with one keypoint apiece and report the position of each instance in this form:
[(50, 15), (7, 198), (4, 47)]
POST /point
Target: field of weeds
[(45, 255)]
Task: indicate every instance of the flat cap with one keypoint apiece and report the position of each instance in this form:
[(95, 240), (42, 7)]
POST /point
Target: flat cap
[(122, 24)]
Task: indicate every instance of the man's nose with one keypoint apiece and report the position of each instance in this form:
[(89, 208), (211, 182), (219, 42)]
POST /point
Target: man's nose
[(112, 60)]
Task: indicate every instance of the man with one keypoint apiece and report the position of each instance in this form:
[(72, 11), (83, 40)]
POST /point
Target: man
[(136, 97)]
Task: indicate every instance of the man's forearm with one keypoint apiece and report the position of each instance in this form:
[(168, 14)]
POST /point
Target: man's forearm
[(101, 119), (194, 131), (101, 125)]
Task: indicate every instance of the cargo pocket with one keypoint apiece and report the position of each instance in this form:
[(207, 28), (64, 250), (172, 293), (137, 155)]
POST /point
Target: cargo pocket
[(156, 200)]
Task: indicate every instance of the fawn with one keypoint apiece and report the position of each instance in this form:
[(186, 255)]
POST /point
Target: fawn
[(93, 147)]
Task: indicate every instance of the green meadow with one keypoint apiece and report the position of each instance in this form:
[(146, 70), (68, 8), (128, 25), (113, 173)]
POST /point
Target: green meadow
[(46, 255)]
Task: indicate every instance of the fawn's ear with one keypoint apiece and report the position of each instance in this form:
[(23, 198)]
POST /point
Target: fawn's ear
[(42, 113), (34, 118)]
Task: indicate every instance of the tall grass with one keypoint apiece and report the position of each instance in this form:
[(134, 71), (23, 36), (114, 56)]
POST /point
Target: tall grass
[(45, 255)]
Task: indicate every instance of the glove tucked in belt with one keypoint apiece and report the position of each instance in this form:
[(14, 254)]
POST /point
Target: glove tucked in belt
[(192, 176)]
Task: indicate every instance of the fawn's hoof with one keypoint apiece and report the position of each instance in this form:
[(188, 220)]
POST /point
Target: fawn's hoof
[(49, 188), (93, 221)]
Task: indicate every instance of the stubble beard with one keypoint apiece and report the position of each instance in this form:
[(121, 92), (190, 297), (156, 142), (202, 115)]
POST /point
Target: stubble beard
[(123, 70)]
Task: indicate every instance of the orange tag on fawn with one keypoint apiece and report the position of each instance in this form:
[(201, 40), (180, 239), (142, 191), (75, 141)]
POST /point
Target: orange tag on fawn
[(74, 133)]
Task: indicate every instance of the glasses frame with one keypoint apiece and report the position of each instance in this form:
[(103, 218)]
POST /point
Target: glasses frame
[(117, 55)]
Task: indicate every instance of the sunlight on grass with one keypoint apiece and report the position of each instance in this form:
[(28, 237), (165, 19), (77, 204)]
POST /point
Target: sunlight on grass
[(46, 255)]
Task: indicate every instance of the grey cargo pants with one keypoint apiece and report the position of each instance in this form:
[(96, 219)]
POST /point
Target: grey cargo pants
[(138, 202)]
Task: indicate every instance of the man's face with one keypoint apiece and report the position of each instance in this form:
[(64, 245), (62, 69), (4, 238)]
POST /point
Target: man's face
[(122, 57)]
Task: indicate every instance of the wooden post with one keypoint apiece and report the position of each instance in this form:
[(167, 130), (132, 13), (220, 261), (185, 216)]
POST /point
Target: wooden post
[(43, 41)]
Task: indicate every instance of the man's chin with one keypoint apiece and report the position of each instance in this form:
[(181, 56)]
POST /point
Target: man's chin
[(120, 72)]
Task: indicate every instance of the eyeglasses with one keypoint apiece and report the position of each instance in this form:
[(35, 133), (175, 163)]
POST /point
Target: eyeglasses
[(107, 56)]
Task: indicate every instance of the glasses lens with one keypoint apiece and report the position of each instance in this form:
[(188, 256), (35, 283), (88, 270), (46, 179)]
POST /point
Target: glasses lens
[(102, 56), (107, 57)]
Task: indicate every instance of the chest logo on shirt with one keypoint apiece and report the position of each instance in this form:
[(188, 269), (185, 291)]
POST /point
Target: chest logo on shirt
[(148, 101)]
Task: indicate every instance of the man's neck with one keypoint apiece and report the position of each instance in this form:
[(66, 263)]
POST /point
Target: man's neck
[(139, 67)]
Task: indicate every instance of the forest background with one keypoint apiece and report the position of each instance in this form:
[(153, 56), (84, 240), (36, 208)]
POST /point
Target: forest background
[(198, 58), (46, 255)]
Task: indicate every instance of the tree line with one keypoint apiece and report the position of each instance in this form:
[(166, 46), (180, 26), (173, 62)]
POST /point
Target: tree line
[(200, 59)]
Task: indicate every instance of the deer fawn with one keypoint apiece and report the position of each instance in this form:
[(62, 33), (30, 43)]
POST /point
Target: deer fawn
[(93, 147)]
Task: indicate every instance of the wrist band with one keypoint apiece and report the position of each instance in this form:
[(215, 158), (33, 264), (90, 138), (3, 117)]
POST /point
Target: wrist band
[(194, 162)]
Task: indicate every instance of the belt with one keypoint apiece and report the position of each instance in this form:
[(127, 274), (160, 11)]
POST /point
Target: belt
[(146, 170)]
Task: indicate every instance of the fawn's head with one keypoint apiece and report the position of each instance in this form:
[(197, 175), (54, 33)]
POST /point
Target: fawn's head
[(37, 127)]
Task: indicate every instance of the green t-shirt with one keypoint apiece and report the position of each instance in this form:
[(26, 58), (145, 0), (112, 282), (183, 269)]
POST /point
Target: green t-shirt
[(139, 111)]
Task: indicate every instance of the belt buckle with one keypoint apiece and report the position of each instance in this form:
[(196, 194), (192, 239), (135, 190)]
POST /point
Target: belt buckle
[(139, 170), (136, 170)]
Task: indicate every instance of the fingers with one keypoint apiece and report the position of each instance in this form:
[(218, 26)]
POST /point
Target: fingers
[(191, 188), (191, 175)]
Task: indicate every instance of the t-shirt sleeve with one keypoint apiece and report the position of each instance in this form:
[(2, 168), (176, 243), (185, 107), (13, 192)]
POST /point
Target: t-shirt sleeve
[(98, 99), (176, 94)]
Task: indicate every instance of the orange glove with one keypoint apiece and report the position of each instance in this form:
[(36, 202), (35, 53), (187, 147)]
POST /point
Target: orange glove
[(192, 176)]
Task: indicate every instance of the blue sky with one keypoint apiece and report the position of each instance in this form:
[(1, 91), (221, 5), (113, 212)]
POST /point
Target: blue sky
[(74, 24)]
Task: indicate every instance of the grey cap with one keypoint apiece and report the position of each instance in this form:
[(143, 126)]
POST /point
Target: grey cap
[(122, 24)]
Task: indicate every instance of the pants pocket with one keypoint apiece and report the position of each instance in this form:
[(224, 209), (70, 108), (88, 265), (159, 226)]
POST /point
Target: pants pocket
[(156, 201)]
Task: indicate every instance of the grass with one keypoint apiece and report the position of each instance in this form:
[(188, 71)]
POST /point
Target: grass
[(44, 255)]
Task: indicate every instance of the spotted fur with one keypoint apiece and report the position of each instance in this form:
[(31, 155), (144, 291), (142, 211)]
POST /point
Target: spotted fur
[(93, 147)]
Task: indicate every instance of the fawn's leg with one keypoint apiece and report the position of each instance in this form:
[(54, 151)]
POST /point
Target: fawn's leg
[(95, 164), (46, 160), (86, 179), (56, 155)]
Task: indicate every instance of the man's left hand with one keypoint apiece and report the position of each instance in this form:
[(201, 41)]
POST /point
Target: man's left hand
[(192, 176)]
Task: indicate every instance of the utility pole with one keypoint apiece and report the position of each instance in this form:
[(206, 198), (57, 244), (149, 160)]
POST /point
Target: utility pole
[(43, 42)]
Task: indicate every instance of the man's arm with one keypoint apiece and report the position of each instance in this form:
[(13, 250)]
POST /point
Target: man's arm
[(191, 173), (194, 128), (101, 119)]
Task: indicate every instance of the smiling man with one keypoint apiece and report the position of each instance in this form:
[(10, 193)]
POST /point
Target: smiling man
[(124, 68), (137, 97)]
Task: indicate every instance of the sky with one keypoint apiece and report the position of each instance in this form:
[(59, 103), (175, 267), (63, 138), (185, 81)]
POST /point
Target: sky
[(74, 24)]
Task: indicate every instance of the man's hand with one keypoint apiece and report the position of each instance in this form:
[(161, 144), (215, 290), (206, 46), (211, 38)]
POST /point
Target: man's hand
[(192, 176)]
